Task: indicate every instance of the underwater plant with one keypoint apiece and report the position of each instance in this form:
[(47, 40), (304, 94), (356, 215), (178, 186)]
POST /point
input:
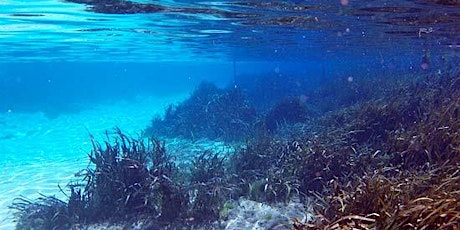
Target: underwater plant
[(264, 167), (210, 112), (434, 139), (411, 181), (46, 212), (263, 91), (126, 179), (426, 199), (134, 181), (129, 178), (288, 111), (210, 186), (391, 162)]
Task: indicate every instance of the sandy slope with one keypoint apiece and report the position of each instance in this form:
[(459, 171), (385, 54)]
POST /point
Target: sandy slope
[(37, 153)]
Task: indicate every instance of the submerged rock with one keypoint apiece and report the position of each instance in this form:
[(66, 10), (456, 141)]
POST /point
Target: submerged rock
[(254, 215)]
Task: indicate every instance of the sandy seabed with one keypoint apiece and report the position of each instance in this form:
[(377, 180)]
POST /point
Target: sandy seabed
[(37, 153)]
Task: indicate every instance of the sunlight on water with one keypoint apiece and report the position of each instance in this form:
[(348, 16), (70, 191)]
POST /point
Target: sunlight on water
[(175, 30), (274, 114)]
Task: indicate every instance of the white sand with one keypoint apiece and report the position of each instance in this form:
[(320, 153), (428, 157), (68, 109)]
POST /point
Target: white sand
[(37, 154)]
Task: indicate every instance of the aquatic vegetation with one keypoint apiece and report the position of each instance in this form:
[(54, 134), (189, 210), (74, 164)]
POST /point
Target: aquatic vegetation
[(210, 186), (288, 111), (46, 212), (226, 208), (433, 141), (390, 161), (263, 166), (127, 178), (435, 138), (393, 199), (376, 119), (266, 90), (411, 180), (206, 166), (210, 112), (130, 177), (133, 181)]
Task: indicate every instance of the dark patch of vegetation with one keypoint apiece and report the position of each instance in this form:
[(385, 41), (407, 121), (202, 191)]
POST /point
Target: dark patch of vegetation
[(211, 113), (261, 166), (404, 170), (265, 91), (393, 199), (211, 185), (286, 112), (434, 137), (46, 212), (129, 178)]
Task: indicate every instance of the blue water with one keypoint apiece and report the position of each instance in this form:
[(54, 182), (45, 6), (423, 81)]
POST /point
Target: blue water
[(212, 30), (61, 59)]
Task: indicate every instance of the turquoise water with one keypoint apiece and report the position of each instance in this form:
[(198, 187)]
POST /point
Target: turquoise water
[(70, 68)]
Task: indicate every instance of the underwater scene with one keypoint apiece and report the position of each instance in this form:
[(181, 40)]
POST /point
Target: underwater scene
[(229, 114)]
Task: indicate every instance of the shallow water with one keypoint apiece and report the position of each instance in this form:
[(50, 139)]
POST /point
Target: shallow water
[(73, 67), (39, 153), (145, 31)]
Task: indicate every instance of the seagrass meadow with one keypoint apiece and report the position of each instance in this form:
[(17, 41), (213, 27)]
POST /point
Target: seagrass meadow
[(386, 160), (230, 114)]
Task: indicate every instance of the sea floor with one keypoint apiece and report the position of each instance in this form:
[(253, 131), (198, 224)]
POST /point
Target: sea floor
[(38, 153)]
